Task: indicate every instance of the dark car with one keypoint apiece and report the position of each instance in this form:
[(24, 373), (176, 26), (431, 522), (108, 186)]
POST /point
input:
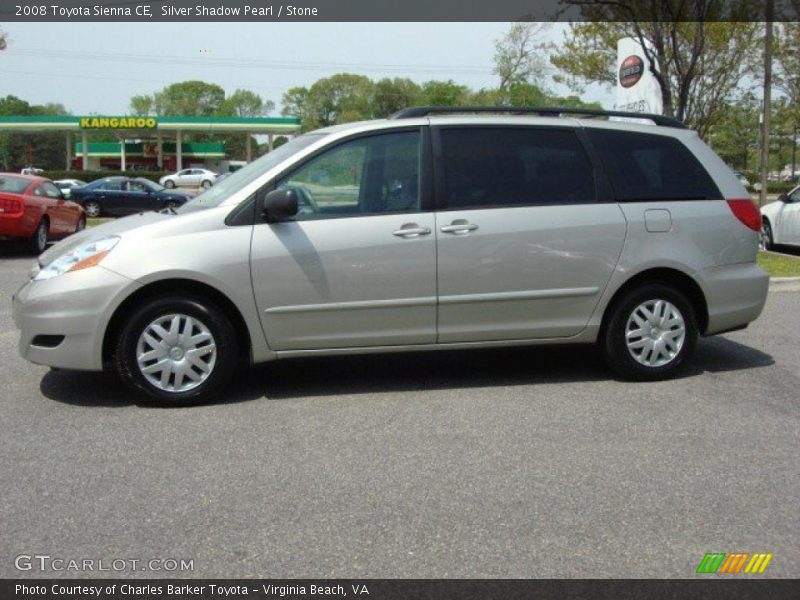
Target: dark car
[(119, 196)]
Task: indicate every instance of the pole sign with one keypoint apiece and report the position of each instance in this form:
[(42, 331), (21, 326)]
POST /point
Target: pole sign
[(119, 122), (637, 89)]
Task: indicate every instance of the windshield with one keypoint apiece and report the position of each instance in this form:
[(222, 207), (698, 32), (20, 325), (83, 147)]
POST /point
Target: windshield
[(224, 189)]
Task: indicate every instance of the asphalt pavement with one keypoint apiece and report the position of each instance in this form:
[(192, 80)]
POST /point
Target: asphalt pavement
[(501, 463)]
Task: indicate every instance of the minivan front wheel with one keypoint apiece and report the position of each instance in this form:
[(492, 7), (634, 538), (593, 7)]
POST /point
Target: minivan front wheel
[(177, 350), (650, 333)]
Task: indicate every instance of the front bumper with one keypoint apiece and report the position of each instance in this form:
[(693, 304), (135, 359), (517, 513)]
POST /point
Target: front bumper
[(77, 306), (735, 295)]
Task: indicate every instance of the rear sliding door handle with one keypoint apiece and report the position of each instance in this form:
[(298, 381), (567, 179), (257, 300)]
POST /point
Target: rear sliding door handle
[(411, 230), (459, 226)]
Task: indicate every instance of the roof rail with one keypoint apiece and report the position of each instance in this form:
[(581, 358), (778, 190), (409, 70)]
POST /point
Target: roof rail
[(545, 111)]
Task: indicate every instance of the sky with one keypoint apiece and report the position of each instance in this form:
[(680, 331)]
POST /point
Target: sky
[(95, 68)]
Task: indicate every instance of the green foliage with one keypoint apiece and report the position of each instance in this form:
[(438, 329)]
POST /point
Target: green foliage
[(391, 95), (518, 57), (189, 99), (341, 98), (244, 103), (444, 93), (41, 150), (700, 66)]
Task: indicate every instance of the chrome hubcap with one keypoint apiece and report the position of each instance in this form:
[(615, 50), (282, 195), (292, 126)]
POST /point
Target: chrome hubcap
[(42, 236), (176, 353), (92, 210), (655, 333)]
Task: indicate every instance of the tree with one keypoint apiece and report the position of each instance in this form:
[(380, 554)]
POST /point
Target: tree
[(185, 99), (444, 93), (787, 72), (17, 150), (244, 103), (518, 57), (699, 65), (340, 98), (734, 136), (142, 105), (391, 95)]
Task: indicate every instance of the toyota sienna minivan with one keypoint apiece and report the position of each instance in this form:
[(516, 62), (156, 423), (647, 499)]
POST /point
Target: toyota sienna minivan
[(437, 228)]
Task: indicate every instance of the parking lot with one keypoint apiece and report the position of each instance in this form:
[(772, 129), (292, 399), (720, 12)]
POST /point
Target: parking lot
[(501, 463)]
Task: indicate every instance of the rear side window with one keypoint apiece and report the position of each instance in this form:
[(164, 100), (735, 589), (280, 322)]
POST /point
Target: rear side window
[(504, 166), (645, 167)]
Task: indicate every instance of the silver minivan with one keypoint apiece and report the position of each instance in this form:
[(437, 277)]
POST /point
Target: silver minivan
[(433, 229)]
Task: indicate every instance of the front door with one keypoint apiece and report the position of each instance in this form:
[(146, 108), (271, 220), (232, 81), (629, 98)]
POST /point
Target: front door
[(356, 267), (524, 248), (789, 221)]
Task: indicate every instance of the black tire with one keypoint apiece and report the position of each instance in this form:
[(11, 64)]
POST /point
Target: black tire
[(613, 334), (224, 337), (38, 241), (767, 239), (93, 209), (81, 225), (206, 184), (169, 184)]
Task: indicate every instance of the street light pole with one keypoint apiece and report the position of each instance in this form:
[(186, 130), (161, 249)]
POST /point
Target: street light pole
[(794, 152)]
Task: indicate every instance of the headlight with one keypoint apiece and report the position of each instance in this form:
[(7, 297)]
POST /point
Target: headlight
[(81, 257)]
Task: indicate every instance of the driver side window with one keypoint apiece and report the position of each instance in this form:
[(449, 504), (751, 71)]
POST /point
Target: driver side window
[(365, 176)]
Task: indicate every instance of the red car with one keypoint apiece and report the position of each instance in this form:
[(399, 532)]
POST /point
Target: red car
[(33, 209)]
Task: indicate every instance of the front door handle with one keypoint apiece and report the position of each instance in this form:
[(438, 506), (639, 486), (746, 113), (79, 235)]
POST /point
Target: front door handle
[(459, 226), (411, 230)]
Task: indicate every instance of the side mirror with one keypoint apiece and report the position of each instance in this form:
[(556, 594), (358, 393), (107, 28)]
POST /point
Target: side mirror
[(783, 197), (280, 205)]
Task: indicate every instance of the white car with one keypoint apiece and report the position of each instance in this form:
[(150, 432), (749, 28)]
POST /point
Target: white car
[(66, 185), (189, 178), (31, 171), (781, 221)]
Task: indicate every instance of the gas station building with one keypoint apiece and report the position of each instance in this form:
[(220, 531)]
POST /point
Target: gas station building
[(148, 142)]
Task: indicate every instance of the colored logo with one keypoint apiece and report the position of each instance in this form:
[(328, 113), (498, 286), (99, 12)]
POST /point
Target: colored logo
[(734, 563), (118, 122), (631, 71)]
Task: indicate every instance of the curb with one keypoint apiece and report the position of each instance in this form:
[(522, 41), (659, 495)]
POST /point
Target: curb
[(784, 284)]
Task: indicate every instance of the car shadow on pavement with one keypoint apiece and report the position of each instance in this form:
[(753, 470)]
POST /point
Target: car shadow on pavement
[(406, 372), (422, 371)]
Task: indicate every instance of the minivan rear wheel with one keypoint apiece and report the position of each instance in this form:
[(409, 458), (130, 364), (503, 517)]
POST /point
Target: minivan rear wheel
[(177, 351), (651, 331)]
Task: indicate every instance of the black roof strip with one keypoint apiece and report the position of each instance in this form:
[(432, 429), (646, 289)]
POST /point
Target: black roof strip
[(546, 111)]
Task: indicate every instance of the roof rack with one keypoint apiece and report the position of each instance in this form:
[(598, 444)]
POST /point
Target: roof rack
[(546, 111)]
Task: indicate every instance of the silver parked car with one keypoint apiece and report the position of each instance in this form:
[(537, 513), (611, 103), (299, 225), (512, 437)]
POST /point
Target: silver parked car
[(422, 231), (189, 177)]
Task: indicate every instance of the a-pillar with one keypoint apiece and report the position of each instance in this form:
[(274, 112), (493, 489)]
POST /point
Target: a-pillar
[(179, 151), (85, 151), (69, 152)]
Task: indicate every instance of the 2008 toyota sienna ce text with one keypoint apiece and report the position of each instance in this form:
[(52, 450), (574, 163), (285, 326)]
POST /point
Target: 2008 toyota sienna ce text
[(432, 229)]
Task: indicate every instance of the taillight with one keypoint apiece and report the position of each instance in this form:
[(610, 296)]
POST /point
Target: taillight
[(10, 206), (747, 212)]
